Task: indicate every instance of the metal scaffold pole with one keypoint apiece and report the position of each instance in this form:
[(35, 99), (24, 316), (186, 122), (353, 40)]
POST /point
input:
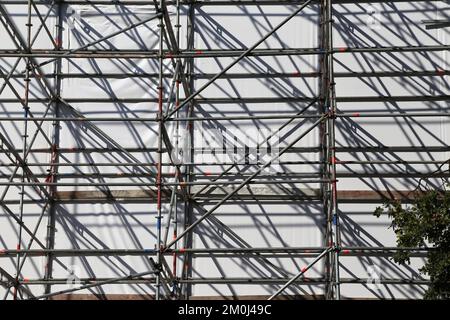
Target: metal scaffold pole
[(331, 98), (83, 153), (54, 158), (26, 109), (187, 261), (160, 155)]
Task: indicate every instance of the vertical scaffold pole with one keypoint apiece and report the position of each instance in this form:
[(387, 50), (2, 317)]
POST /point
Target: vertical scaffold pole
[(177, 136), (53, 170), (324, 133), (332, 147), (26, 109), (188, 207), (159, 165)]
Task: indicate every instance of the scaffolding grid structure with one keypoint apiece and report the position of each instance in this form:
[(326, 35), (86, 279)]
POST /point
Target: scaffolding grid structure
[(177, 192)]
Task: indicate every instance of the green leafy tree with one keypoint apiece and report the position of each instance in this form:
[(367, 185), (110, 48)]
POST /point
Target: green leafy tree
[(425, 223)]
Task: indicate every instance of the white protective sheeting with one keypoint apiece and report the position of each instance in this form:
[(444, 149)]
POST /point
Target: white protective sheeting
[(257, 224)]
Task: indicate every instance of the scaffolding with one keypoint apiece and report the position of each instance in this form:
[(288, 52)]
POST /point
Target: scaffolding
[(187, 193)]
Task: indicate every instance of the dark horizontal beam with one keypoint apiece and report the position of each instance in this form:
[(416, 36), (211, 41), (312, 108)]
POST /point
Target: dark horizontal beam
[(195, 2), (237, 118), (348, 149), (294, 193), (233, 100), (246, 281), (205, 53), (200, 164), (286, 178), (268, 75), (254, 194), (345, 251)]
